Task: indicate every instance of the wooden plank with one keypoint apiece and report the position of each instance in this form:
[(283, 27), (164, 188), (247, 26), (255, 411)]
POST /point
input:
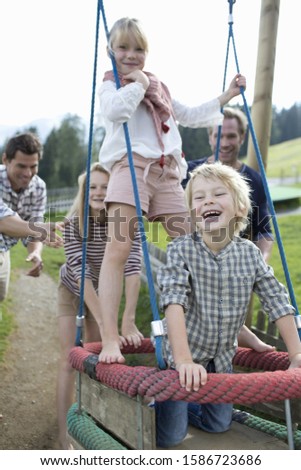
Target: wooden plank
[(239, 436), (131, 421)]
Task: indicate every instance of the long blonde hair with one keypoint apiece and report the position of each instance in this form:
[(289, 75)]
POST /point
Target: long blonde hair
[(78, 207)]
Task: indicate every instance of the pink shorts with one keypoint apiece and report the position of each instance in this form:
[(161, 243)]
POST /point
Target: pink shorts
[(159, 186)]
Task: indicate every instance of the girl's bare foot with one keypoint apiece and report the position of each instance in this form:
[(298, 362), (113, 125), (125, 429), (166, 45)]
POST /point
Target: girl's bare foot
[(132, 335), (260, 346), (110, 353)]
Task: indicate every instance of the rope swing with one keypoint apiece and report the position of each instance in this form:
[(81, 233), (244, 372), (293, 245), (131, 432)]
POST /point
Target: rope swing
[(275, 384)]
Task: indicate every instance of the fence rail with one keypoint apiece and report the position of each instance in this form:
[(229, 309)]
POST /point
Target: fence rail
[(60, 200)]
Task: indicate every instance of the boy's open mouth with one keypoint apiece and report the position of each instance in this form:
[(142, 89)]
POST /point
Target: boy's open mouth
[(211, 214)]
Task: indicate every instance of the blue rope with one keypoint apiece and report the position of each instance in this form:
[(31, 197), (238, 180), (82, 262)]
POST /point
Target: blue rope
[(156, 316), (230, 34), (79, 319), (262, 172)]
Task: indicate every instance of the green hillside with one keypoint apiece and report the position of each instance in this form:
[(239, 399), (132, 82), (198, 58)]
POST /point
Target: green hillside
[(284, 160)]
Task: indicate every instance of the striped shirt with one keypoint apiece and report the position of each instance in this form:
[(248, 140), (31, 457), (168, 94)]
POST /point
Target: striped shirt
[(29, 203), (215, 290), (71, 271)]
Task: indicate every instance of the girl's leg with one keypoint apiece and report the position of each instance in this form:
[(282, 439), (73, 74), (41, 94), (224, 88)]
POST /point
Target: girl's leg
[(121, 228), (66, 376), (129, 329), (91, 332)]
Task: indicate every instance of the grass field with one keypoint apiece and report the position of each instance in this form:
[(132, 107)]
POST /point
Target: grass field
[(284, 160)]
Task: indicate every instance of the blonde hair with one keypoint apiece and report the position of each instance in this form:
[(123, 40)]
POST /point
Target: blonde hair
[(234, 113), (78, 206), (233, 180), (124, 27)]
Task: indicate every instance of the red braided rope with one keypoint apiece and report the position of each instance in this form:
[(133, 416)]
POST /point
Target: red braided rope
[(261, 361), (221, 388)]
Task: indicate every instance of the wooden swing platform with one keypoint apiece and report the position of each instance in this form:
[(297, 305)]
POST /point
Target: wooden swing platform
[(132, 423), (114, 412)]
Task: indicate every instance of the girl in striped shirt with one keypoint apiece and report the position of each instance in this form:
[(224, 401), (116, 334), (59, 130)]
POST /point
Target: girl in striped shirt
[(70, 282)]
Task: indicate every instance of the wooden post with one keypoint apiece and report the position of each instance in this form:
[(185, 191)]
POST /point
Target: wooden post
[(261, 112), (262, 104)]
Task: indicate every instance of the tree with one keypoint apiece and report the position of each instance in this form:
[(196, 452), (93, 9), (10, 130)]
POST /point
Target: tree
[(49, 165), (65, 154), (194, 143)]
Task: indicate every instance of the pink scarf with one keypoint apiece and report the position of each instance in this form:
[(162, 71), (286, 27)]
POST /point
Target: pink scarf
[(157, 100)]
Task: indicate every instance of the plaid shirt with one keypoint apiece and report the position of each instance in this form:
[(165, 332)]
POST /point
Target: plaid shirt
[(5, 211), (29, 203), (215, 291)]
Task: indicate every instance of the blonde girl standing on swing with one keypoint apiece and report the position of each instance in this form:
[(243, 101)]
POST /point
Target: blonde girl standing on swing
[(152, 116)]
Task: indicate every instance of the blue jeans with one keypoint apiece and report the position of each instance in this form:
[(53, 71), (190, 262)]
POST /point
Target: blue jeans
[(173, 417)]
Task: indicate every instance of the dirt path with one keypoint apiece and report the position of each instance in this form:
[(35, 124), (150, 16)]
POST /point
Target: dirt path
[(28, 376)]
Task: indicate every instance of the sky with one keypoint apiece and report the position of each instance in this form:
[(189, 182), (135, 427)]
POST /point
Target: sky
[(48, 52)]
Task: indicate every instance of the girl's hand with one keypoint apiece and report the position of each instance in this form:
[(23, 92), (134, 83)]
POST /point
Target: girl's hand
[(233, 90), (237, 82), (191, 376), (136, 76)]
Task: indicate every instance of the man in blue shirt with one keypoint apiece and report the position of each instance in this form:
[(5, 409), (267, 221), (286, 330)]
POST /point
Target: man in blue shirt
[(232, 137)]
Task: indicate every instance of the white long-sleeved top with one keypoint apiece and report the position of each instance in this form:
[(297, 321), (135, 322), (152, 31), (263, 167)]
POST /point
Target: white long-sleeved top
[(118, 106)]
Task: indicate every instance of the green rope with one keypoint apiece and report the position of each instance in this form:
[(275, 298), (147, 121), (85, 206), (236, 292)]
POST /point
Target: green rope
[(85, 431), (269, 427)]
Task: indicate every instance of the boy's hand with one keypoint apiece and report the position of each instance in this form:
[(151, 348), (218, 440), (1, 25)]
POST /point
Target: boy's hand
[(191, 376)]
